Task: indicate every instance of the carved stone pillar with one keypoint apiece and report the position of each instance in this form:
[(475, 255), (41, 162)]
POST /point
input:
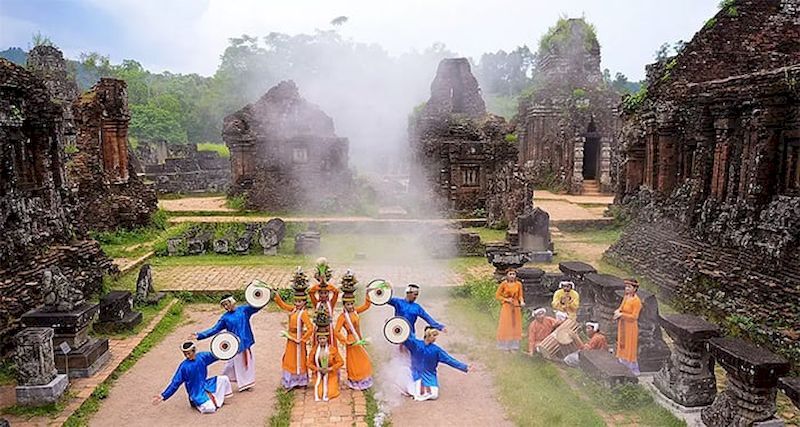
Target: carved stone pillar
[(604, 287), (752, 380), (576, 185), (605, 165), (688, 377)]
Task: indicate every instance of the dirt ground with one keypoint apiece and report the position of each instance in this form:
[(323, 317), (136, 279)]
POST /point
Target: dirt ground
[(129, 402), (189, 204), (464, 399)]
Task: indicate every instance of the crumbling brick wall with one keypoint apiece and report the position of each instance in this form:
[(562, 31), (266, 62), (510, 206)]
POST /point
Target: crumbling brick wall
[(464, 163), (285, 154), (567, 124), (711, 172), (109, 192), (35, 204), (189, 171)]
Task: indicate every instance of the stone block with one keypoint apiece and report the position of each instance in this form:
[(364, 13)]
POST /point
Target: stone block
[(604, 287), (115, 305), (84, 361), (33, 355), (576, 268), (534, 231), (45, 394), (791, 386), (70, 327), (604, 367), (307, 242)]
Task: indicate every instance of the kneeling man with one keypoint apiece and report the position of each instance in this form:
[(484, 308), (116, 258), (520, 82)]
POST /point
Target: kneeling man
[(205, 394), (597, 341), (425, 357)]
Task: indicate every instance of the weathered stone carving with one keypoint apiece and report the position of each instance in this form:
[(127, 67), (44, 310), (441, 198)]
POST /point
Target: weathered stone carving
[(116, 312), (688, 376), (183, 169), (271, 235), (533, 231), (60, 294), (752, 377), (605, 288), (38, 383)]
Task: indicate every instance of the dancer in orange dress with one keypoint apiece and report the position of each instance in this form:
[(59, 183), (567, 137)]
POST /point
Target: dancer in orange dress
[(509, 328), (627, 317), (324, 360), (359, 366), (295, 371)]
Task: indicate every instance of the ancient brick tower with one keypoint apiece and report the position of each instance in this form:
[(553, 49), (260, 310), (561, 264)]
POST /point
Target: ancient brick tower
[(711, 170), (567, 124), (464, 164), (285, 154)]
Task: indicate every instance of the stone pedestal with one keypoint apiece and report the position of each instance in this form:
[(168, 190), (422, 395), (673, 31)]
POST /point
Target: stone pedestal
[(116, 312), (791, 386), (88, 355), (604, 367), (752, 380), (37, 381), (534, 235), (604, 287), (576, 272), (307, 242), (688, 376), (504, 257), (653, 351), (532, 288)]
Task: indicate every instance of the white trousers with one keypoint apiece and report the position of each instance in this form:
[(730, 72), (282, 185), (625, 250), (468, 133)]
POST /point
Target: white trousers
[(415, 389), (217, 398), (572, 359), (242, 370)]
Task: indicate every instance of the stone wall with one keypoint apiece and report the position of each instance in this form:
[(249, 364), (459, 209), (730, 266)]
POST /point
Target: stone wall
[(567, 125), (285, 154), (190, 171), (711, 174), (109, 192), (36, 213), (463, 162)]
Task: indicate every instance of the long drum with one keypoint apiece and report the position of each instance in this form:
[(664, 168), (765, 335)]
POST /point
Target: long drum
[(224, 345), (380, 291), (559, 343)]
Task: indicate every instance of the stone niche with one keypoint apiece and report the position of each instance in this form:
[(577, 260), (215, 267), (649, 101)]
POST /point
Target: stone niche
[(567, 127), (36, 211), (710, 179), (463, 162), (285, 154)]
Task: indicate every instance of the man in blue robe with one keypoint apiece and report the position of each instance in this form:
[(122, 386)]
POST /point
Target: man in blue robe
[(409, 309), (205, 394), (425, 358), (236, 320)]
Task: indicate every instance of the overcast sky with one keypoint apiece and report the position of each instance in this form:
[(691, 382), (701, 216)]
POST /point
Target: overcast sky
[(188, 36)]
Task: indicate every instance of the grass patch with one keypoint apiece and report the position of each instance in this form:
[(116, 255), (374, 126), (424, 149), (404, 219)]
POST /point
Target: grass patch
[(284, 403), (223, 260), (488, 234), (50, 411), (462, 265), (8, 372), (373, 409), (220, 149), (168, 323), (607, 236)]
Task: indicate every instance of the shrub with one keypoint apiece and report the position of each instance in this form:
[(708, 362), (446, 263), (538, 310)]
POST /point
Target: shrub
[(237, 202), (511, 137)]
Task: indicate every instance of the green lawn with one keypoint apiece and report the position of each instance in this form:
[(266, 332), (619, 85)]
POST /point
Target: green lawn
[(488, 234)]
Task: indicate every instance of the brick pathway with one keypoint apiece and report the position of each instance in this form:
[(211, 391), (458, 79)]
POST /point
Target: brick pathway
[(350, 408), (189, 204), (226, 278), (82, 388)]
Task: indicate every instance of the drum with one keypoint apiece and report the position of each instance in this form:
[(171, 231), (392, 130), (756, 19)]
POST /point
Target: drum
[(257, 294), (559, 343), (397, 330), (224, 345), (380, 291)]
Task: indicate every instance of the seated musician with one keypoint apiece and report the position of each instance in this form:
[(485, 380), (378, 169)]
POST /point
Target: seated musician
[(597, 341), (566, 299), (539, 329)]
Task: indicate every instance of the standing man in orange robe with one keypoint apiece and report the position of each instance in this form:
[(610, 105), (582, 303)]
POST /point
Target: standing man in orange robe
[(295, 370), (541, 326), (509, 329), (359, 367), (627, 317)]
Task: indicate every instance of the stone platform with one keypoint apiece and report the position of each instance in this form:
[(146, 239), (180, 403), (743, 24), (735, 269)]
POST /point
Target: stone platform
[(84, 361), (45, 394), (604, 367)]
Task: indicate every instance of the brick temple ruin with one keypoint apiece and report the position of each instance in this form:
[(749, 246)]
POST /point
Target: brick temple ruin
[(35, 207), (464, 161), (567, 125), (285, 154), (181, 168), (711, 172)]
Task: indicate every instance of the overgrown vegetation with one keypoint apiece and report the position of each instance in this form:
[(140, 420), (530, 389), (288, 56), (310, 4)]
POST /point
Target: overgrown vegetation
[(632, 102), (168, 323), (488, 234), (8, 371), (220, 149), (50, 410), (284, 402), (237, 202), (729, 6), (561, 33)]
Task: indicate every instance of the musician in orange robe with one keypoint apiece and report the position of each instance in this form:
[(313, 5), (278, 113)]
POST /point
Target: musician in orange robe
[(597, 341), (324, 361), (627, 317), (359, 367), (541, 326), (509, 328), (295, 371)]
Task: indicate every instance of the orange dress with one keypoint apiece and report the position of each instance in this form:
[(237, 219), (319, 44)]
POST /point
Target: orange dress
[(359, 367), (509, 328), (539, 330), (326, 387), (628, 329), (333, 296), (295, 371)]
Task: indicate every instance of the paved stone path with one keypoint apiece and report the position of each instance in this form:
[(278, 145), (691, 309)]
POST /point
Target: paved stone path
[(195, 204), (593, 200), (82, 388), (226, 278), (349, 409)]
